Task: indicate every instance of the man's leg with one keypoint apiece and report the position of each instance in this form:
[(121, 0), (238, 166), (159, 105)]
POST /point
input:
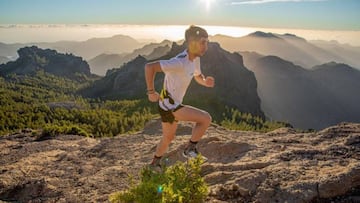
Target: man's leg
[(169, 130), (202, 119)]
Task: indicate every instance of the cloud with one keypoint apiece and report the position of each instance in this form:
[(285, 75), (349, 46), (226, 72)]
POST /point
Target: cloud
[(268, 1)]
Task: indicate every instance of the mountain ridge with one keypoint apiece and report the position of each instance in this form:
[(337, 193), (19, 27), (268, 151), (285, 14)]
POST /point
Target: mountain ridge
[(101, 63), (289, 47), (86, 49), (292, 48), (308, 99)]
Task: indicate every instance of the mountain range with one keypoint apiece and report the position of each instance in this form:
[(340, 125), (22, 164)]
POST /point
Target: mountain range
[(107, 53), (307, 96), (292, 48), (103, 62), (87, 49), (316, 98), (349, 53)]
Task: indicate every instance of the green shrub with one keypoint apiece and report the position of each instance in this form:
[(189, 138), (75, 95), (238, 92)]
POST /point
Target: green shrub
[(236, 120), (53, 130), (180, 183)]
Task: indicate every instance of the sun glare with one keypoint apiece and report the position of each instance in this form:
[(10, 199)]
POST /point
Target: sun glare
[(207, 4)]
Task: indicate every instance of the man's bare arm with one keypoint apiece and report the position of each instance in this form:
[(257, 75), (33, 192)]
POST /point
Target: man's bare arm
[(150, 72)]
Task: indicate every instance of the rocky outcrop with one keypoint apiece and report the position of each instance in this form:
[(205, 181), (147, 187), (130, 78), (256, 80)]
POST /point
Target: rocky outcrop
[(279, 166), (33, 59)]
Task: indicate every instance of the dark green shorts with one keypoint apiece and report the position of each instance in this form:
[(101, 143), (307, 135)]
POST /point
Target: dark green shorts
[(168, 116)]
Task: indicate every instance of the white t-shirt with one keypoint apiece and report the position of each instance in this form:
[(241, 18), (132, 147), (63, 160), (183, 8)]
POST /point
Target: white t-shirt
[(179, 72)]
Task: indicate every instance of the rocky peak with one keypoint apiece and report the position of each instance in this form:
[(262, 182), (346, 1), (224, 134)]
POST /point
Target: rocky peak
[(263, 35), (34, 50), (279, 64), (334, 66), (33, 59), (292, 36)]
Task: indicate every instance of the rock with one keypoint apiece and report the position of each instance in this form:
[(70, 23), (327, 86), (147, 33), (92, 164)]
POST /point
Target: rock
[(33, 59), (242, 167)]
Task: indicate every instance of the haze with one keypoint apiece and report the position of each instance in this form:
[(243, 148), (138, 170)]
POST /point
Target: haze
[(151, 33)]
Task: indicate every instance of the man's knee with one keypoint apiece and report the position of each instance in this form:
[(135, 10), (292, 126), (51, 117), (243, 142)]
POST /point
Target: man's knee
[(207, 118)]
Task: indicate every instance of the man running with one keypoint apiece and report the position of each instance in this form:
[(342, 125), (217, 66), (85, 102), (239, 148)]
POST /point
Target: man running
[(179, 72)]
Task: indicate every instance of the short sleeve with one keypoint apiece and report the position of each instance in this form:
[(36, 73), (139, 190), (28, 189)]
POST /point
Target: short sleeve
[(197, 70), (171, 65)]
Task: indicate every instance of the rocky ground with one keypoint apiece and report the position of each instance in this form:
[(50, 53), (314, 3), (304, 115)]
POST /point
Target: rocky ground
[(279, 166)]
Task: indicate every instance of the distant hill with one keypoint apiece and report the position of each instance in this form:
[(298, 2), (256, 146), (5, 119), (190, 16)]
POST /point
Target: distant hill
[(4, 59), (316, 98), (10, 49), (288, 46), (103, 62), (348, 53), (149, 48), (158, 52), (87, 49), (342, 82), (235, 85), (33, 59), (95, 46), (127, 82)]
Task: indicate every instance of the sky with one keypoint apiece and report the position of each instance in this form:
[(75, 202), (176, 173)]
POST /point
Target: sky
[(53, 20), (301, 14)]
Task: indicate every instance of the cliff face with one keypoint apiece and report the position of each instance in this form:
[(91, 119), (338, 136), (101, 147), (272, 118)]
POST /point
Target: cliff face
[(279, 166), (33, 59)]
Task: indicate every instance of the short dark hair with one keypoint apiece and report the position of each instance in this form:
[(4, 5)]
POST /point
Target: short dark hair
[(195, 33)]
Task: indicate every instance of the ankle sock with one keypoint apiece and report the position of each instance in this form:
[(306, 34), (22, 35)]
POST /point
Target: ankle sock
[(156, 160), (191, 145)]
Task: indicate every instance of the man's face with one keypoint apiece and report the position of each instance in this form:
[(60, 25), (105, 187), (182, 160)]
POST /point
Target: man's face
[(199, 47)]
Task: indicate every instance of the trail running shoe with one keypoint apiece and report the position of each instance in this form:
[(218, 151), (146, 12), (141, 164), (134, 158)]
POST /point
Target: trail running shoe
[(156, 168), (193, 153)]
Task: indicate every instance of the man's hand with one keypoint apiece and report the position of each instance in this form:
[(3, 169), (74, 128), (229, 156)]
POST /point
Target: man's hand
[(153, 96), (209, 81)]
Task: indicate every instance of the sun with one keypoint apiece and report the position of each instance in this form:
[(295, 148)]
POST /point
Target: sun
[(207, 4)]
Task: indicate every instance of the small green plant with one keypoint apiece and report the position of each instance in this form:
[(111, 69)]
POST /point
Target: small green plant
[(180, 183)]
